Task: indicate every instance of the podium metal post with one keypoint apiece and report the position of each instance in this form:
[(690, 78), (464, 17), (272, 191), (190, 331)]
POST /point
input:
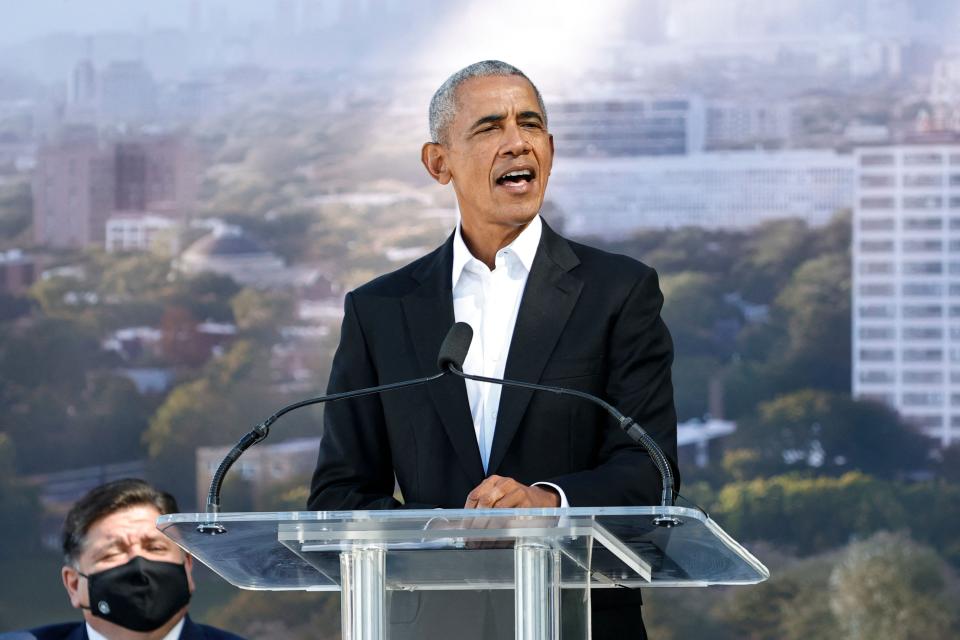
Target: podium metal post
[(537, 591), (363, 593)]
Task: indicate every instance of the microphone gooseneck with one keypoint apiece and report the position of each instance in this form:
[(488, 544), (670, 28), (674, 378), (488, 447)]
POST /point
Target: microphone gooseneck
[(453, 351)]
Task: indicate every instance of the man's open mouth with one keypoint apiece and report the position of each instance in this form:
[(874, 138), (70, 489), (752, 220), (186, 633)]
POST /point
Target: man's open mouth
[(516, 177)]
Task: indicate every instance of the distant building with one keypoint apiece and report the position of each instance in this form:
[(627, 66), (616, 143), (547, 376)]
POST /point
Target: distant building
[(18, 271), (906, 283), (262, 466), (231, 252), (945, 80), (128, 92), (149, 380), (694, 437), (81, 181), (625, 126), (141, 232), (83, 94), (131, 343), (83, 84), (742, 125), (73, 190), (609, 197)]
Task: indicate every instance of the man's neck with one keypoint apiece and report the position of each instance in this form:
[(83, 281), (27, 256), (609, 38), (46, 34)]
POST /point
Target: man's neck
[(484, 241)]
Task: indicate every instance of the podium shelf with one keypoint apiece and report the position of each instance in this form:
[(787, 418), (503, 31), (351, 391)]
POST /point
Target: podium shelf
[(457, 549)]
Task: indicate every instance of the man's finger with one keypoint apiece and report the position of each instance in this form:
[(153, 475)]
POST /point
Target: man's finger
[(516, 498), (489, 498), (480, 497)]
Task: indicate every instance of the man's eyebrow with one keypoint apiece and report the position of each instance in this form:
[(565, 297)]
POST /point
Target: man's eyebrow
[(493, 117), (528, 115), (103, 545), (497, 117)]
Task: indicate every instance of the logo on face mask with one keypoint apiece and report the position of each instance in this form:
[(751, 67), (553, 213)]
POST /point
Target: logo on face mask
[(140, 595)]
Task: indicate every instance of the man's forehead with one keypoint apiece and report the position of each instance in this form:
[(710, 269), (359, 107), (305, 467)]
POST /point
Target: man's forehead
[(479, 94), (138, 521)]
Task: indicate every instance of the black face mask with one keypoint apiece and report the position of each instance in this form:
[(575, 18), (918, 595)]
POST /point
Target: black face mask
[(141, 595)]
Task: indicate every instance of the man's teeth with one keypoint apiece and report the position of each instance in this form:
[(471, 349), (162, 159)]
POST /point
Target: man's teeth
[(523, 173)]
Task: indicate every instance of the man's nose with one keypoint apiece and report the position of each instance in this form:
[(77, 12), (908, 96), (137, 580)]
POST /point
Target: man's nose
[(514, 141)]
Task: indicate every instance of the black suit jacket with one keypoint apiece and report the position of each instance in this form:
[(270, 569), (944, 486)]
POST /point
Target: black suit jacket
[(78, 631), (588, 320)]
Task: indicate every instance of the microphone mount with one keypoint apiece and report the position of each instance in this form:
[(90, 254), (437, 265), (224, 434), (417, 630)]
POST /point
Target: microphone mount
[(262, 430)]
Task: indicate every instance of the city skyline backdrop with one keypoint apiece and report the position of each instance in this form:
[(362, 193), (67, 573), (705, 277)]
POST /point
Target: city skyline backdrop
[(188, 189)]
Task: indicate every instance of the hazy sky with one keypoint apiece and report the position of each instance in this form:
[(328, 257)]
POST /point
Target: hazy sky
[(21, 20)]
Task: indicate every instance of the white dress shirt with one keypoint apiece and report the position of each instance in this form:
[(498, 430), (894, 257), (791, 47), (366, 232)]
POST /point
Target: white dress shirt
[(489, 300), (173, 634)]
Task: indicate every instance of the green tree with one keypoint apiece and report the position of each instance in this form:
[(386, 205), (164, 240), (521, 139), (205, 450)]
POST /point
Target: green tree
[(206, 296), (216, 409), (50, 352), (133, 276), (768, 258), (815, 305), (890, 588), (16, 211), (948, 463), (262, 313), (792, 605), (693, 306), (19, 506), (110, 422), (822, 432), (812, 515), (692, 376)]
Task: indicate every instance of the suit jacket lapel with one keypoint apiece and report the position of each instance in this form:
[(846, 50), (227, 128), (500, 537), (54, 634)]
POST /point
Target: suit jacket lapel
[(548, 300), (429, 314), (190, 631)]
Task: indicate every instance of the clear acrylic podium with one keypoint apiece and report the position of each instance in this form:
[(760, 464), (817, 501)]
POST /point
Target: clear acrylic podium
[(534, 569)]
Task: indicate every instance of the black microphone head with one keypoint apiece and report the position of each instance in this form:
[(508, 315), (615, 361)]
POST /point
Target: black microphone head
[(455, 346)]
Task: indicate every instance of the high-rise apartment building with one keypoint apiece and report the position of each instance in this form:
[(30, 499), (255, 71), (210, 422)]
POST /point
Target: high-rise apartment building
[(80, 181), (73, 190), (906, 283)]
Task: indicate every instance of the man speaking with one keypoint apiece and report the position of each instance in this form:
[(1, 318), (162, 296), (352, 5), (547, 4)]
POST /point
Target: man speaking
[(543, 309)]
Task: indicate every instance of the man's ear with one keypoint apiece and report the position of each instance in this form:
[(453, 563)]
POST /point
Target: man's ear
[(550, 168), (188, 567), (434, 158), (71, 582)]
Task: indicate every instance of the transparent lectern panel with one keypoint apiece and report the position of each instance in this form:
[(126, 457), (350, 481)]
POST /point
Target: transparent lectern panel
[(468, 549)]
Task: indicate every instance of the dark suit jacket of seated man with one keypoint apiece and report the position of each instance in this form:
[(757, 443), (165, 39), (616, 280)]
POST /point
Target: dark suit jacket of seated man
[(78, 631), (587, 320)]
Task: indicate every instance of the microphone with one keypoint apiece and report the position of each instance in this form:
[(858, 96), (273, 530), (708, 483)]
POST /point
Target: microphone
[(460, 339), (453, 351), (455, 346)]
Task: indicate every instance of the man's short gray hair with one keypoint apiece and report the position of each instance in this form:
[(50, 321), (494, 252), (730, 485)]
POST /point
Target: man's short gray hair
[(443, 105)]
